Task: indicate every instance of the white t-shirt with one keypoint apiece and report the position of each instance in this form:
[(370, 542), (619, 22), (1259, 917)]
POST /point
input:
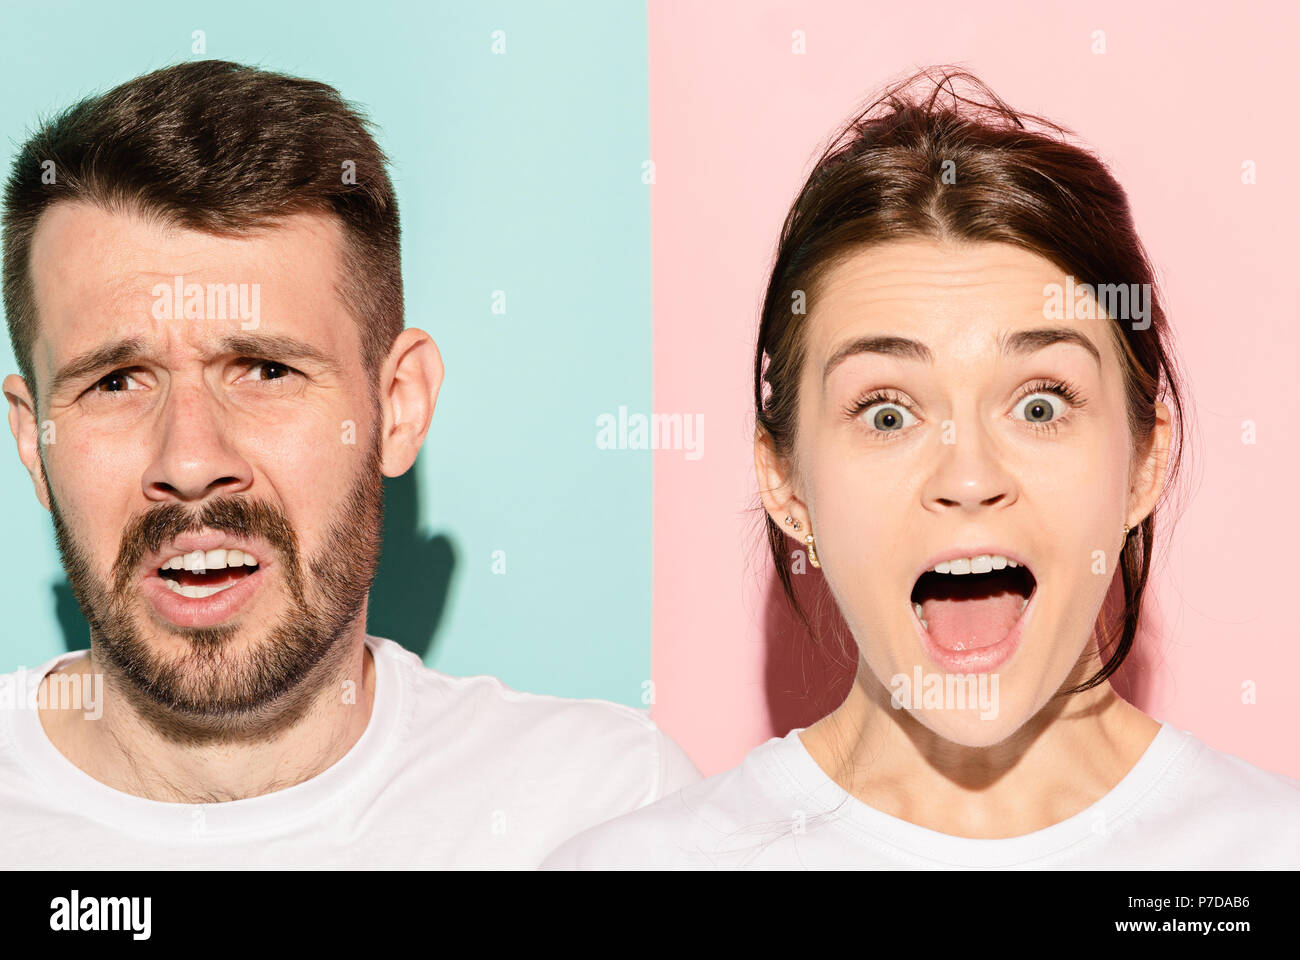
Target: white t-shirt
[(449, 772), (1182, 805)]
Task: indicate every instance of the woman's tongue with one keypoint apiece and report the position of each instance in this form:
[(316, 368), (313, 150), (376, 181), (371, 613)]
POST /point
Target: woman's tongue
[(968, 624)]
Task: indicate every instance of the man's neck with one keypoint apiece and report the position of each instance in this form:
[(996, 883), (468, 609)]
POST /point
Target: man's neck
[(124, 751)]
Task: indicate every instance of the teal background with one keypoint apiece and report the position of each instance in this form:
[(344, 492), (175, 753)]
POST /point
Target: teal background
[(518, 172)]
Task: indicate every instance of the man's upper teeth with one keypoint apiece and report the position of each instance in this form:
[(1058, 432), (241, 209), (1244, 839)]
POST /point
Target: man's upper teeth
[(979, 564), (201, 561)]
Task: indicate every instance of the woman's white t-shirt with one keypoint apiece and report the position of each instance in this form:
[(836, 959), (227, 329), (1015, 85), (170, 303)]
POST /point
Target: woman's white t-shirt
[(1182, 804)]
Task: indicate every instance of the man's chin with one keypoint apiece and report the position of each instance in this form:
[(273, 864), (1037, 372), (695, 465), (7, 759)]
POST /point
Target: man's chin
[(222, 683)]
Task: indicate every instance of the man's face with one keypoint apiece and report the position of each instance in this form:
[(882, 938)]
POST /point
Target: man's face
[(257, 432)]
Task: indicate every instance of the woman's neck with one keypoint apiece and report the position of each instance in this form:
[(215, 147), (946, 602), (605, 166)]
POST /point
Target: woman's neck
[(1061, 761)]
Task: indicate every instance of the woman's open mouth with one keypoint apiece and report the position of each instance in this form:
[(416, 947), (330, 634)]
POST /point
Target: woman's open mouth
[(971, 621)]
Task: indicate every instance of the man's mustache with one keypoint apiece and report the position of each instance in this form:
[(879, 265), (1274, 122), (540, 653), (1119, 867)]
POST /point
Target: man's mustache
[(238, 516)]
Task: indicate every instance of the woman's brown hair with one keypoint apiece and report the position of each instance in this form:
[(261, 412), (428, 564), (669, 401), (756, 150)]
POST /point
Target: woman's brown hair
[(924, 161)]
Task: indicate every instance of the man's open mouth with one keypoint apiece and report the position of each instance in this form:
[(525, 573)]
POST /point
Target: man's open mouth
[(967, 610), (202, 573)]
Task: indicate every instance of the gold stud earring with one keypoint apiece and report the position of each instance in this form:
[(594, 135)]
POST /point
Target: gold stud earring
[(1126, 531), (812, 550), (791, 521)]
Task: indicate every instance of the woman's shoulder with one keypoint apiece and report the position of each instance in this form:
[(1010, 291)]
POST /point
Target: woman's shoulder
[(1223, 810), (692, 827), (1226, 778), (1189, 804)]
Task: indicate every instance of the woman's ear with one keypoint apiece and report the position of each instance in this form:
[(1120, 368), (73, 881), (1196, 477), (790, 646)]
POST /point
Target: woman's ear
[(777, 487), (1149, 475)]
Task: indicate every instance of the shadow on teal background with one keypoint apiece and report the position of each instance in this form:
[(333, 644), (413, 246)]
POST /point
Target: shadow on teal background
[(519, 173)]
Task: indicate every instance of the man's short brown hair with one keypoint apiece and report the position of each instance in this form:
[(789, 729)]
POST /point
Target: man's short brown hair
[(219, 147)]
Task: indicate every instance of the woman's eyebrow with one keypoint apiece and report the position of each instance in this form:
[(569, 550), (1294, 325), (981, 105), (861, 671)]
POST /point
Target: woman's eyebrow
[(1018, 343), (1029, 341), (889, 346)]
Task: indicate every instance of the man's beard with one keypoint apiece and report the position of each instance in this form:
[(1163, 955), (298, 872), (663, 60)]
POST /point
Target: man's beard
[(211, 693)]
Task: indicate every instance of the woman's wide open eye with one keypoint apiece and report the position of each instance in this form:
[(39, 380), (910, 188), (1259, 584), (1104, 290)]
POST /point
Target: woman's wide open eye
[(1047, 403), (883, 413), (1044, 405), (1039, 408), (888, 417)]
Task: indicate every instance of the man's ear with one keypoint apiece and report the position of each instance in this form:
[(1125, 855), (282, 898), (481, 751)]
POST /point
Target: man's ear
[(408, 390), (1149, 475), (777, 487), (26, 430)]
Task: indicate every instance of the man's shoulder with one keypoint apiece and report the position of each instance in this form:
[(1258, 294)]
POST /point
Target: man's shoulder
[(588, 759), (584, 737), (490, 699), (19, 691)]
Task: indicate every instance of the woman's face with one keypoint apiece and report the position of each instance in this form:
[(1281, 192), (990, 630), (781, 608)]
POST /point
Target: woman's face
[(953, 438)]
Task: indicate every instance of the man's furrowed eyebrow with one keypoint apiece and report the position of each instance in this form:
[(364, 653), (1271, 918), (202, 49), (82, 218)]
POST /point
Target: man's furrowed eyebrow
[(117, 353), (274, 346), (1011, 344), (112, 354)]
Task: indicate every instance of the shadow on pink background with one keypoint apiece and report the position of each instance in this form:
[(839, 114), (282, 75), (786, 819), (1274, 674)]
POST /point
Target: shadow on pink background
[(1179, 100)]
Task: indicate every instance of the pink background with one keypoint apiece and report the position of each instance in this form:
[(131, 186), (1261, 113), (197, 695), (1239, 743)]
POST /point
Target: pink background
[(1184, 94)]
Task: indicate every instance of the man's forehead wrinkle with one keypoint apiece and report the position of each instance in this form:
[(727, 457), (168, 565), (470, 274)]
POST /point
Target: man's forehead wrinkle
[(100, 289), (126, 288), (116, 304)]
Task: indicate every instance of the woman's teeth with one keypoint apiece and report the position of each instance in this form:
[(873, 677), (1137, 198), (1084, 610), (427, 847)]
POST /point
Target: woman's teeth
[(981, 564)]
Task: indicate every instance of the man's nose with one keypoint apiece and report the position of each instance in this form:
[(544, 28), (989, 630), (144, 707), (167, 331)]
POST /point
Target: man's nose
[(195, 453)]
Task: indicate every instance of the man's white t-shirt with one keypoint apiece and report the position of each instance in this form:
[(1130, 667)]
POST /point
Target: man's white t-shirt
[(1181, 805), (449, 772)]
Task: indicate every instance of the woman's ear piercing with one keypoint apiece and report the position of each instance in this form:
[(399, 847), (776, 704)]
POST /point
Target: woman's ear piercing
[(1126, 531), (812, 550), (792, 520)]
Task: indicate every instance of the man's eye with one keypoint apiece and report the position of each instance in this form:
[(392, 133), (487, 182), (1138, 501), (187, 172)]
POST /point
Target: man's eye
[(120, 381), (115, 382), (272, 369)]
